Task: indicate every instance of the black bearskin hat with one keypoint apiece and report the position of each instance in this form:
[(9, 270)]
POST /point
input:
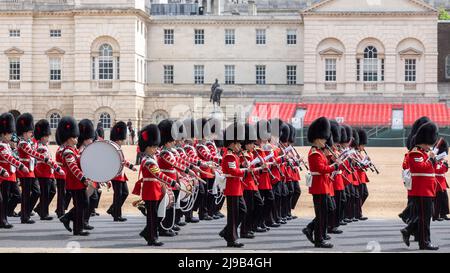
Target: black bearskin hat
[(165, 130), (344, 137), (42, 129), (292, 133), (234, 133), (86, 129), (250, 134), (100, 131), (335, 131), (355, 136), (348, 132), (7, 123), (67, 128), (24, 123), (276, 125), (363, 139), (119, 131), (319, 129), (263, 130), (426, 134), (190, 128), (419, 122), (179, 130), (149, 136), (285, 133)]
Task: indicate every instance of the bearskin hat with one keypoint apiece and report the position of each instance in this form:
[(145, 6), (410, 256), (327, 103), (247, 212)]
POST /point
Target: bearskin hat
[(344, 137), (250, 134), (285, 133), (165, 130), (42, 129), (263, 130), (119, 131), (276, 125), (426, 134), (67, 128), (179, 130), (355, 136), (319, 129), (149, 136), (335, 131), (444, 147), (24, 123), (86, 129), (292, 133), (100, 131), (363, 139), (234, 133), (7, 123), (190, 128), (348, 132), (419, 122)]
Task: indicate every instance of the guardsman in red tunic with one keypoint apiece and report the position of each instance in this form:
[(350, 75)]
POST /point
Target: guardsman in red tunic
[(341, 179), (68, 132), (152, 182), (252, 196), (119, 183), (318, 133), (347, 174), (9, 164), (28, 155), (288, 170), (421, 163), (266, 176), (170, 166), (207, 208), (406, 213), (86, 137), (361, 170), (337, 186), (294, 186), (441, 209), (44, 173), (62, 197), (234, 189)]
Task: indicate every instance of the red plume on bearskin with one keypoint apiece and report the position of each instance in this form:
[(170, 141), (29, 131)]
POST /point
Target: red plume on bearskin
[(24, 123), (42, 129), (119, 131)]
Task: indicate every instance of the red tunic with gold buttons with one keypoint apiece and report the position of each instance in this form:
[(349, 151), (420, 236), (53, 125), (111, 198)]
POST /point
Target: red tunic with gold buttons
[(8, 162), (59, 161), (249, 182), (320, 171), (169, 165), (42, 169), (28, 155), (423, 174), (71, 165), (152, 179), (205, 154), (441, 168), (263, 176), (231, 169)]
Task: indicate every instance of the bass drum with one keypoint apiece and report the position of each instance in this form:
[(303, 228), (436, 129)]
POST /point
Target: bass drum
[(219, 183), (186, 191), (167, 202), (101, 161)]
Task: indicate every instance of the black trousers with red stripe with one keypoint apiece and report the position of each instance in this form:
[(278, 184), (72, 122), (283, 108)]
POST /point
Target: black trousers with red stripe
[(277, 193), (30, 196), (60, 197), (441, 208), (153, 221), (297, 192), (320, 222), (254, 204), (4, 196), (236, 210), (47, 186), (268, 200), (120, 195), (77, 213), (419, 225)]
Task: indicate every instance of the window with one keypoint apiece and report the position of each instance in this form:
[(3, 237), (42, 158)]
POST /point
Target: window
[(447, 67), (410, 70), (358, 70), (291, 37), (370, 64), (14, 33), (105, 63), (291, 74), (230, 37), (330, 70), (199, 74), (260, 36), (168, 37), (55, 69), (105, 120), (261, 74), (54, 120), (55, 33), (14, 69), (229, 74), (168, 74), (199, 36)]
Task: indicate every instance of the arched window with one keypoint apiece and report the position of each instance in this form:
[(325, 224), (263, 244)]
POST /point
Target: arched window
[(370, 64), (159, 116), (54, 120), (106, 62), (447, 67), (105, 119)]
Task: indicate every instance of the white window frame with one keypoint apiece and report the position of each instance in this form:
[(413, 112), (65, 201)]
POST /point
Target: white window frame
[(447, 67), (14, 33), (14, 69), (371, 65), (261, 75), (55, 33), (230, 36), (261, 36), (230, 74), (54, 120), (168, 74), (410, 70), (199, 36), (55, 71), (291, 74), (330, 70), (199, 74), (106, 63), (291, 36), (105, 119), (169, 36)]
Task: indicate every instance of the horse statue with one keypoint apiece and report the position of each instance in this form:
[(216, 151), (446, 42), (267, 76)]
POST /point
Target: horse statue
[(216, 93)]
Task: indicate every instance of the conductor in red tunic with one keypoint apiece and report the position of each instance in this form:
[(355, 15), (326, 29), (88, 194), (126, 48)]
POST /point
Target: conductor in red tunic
[(318, 133), (421, 164)]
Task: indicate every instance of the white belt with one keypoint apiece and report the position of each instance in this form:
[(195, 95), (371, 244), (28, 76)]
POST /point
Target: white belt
[(315, 174), (440, 175), (24, 160), (168, 171), (423, 175), (339, 172), (59, 163), (150, 180)]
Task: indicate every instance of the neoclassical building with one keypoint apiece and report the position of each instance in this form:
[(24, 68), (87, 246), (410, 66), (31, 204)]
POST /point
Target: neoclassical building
[(115, 60)]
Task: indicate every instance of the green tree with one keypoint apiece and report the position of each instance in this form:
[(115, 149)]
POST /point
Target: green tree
[(443, 14)]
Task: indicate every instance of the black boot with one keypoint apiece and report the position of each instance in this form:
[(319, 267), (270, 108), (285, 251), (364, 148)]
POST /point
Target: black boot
[(66, 222)]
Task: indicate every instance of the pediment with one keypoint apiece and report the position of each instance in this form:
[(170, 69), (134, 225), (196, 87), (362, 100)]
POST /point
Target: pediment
[(331, 51), (55, 51), (411, 51), (14, 51)]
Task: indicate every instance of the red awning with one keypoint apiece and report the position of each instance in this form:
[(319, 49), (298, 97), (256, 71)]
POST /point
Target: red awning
[(437, 112), (351, 114), (283, 111)]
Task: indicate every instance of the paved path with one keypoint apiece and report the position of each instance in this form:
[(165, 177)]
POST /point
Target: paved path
[(373, 235)]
